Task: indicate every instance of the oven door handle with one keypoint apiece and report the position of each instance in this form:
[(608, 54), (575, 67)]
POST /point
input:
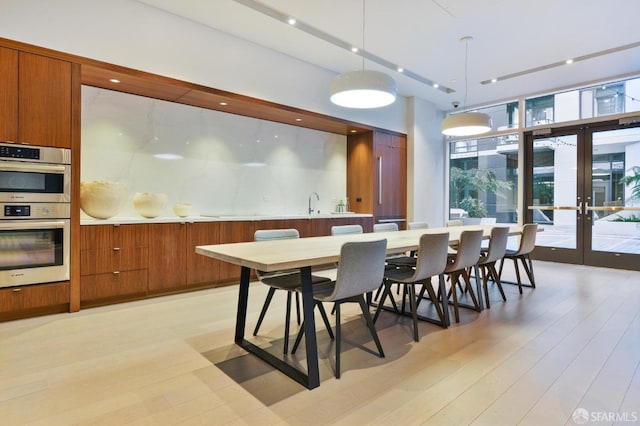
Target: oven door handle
[(26, 167), (31, 224)]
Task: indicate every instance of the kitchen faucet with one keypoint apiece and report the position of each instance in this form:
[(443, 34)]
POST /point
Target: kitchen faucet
[(317, 197)]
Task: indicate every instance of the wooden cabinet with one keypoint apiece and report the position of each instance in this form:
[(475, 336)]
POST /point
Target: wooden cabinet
[(377, 174), (30, 300), (114, 261), (202, 270), (167, 257), (35, 99), (8, 95), (233, 232)]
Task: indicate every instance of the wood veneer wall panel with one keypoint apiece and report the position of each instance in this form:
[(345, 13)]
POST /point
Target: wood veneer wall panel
[(8, 95), (44, 101)]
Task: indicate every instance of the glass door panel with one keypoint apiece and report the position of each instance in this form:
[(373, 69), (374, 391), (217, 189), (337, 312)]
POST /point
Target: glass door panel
[(554, 191), (614, 207)]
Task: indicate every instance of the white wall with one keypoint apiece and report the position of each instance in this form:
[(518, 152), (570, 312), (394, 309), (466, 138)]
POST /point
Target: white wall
[(426, 153)]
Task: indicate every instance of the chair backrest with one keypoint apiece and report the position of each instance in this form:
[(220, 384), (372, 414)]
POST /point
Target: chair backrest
[(527, 239), (454, 222), (468, 252), (346, 229), (417, 225), (432, 256), (497, 244), (274, 234), (360, 269), (385, 227)]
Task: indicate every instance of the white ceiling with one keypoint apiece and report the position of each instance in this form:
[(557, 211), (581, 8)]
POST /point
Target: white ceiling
[(510, 36)]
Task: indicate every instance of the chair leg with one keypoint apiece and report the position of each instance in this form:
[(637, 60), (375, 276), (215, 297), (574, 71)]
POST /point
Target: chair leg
[(485, 284), (325, 318), (427, 286), (338, 339), (372, 328), (414, 313), (496, 279), (287, 320), (454, 293), (386, 291), (298, 339), (467, 281), (528, 268), (265, 306), (517, 268)]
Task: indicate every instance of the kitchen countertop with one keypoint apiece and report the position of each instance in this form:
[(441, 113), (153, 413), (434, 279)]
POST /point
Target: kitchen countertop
[(214, 218)]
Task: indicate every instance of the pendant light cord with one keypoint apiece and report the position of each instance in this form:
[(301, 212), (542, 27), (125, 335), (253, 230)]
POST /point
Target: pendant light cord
[(363, 26), (466, 59)]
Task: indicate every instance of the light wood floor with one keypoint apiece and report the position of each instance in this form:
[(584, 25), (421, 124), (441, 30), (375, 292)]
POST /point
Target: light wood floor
[(573, 342)]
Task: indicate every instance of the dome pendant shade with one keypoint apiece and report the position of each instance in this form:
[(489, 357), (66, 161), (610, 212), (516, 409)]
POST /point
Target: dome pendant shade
[(363, 89), (466, 124)]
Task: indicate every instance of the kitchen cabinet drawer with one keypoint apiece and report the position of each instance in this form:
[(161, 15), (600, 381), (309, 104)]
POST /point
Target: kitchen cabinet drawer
[(113, 285), (17, 302), (114, 236), (114, 259)]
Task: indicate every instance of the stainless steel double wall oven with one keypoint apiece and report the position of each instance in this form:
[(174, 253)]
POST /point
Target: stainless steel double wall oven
[(35, 196)]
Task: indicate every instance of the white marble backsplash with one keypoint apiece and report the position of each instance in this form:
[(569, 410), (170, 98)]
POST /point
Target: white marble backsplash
[(224, 164)]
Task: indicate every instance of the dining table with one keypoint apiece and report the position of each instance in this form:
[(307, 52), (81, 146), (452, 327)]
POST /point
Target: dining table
[(304, 254)]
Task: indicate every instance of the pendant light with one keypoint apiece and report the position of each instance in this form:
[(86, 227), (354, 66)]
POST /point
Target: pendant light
[(363, 88), (466, 123)]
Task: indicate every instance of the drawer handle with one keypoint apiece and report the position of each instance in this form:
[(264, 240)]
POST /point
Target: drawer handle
[(16, 290), (116, 249)]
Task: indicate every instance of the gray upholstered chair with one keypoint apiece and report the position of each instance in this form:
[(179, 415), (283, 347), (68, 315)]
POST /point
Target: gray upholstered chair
[(385, 227), (465, 258), (417, 225), (346, 229), (487, 263), (431, 261), (360, 271), (523, 253), (283, 280)]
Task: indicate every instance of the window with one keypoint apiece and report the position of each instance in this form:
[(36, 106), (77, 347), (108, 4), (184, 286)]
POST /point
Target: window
[(483, 179)]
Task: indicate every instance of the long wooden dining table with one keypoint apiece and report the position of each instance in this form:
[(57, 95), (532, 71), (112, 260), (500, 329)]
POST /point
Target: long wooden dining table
[(303, 254)]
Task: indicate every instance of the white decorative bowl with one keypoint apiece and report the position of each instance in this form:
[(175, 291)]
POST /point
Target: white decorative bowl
[(149, 204), (102, 199), (182, 209)]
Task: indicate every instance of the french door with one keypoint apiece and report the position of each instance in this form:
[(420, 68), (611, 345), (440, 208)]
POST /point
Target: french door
[(582, 186)]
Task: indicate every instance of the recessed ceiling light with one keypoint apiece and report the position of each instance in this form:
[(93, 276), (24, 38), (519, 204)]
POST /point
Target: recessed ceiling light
[(569, 61), (354, 131), (400, 69), (298, 119), (354, 49), (114, 80), (223, 103), (436, 85), (494, 80), (291, 21), (169, 156)]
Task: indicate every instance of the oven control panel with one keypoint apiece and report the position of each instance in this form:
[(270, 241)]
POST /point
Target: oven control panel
[(17, 151), (35, 211)]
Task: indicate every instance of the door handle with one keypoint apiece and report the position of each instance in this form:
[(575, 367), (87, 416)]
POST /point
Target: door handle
[(380, 180), (578, 208)]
